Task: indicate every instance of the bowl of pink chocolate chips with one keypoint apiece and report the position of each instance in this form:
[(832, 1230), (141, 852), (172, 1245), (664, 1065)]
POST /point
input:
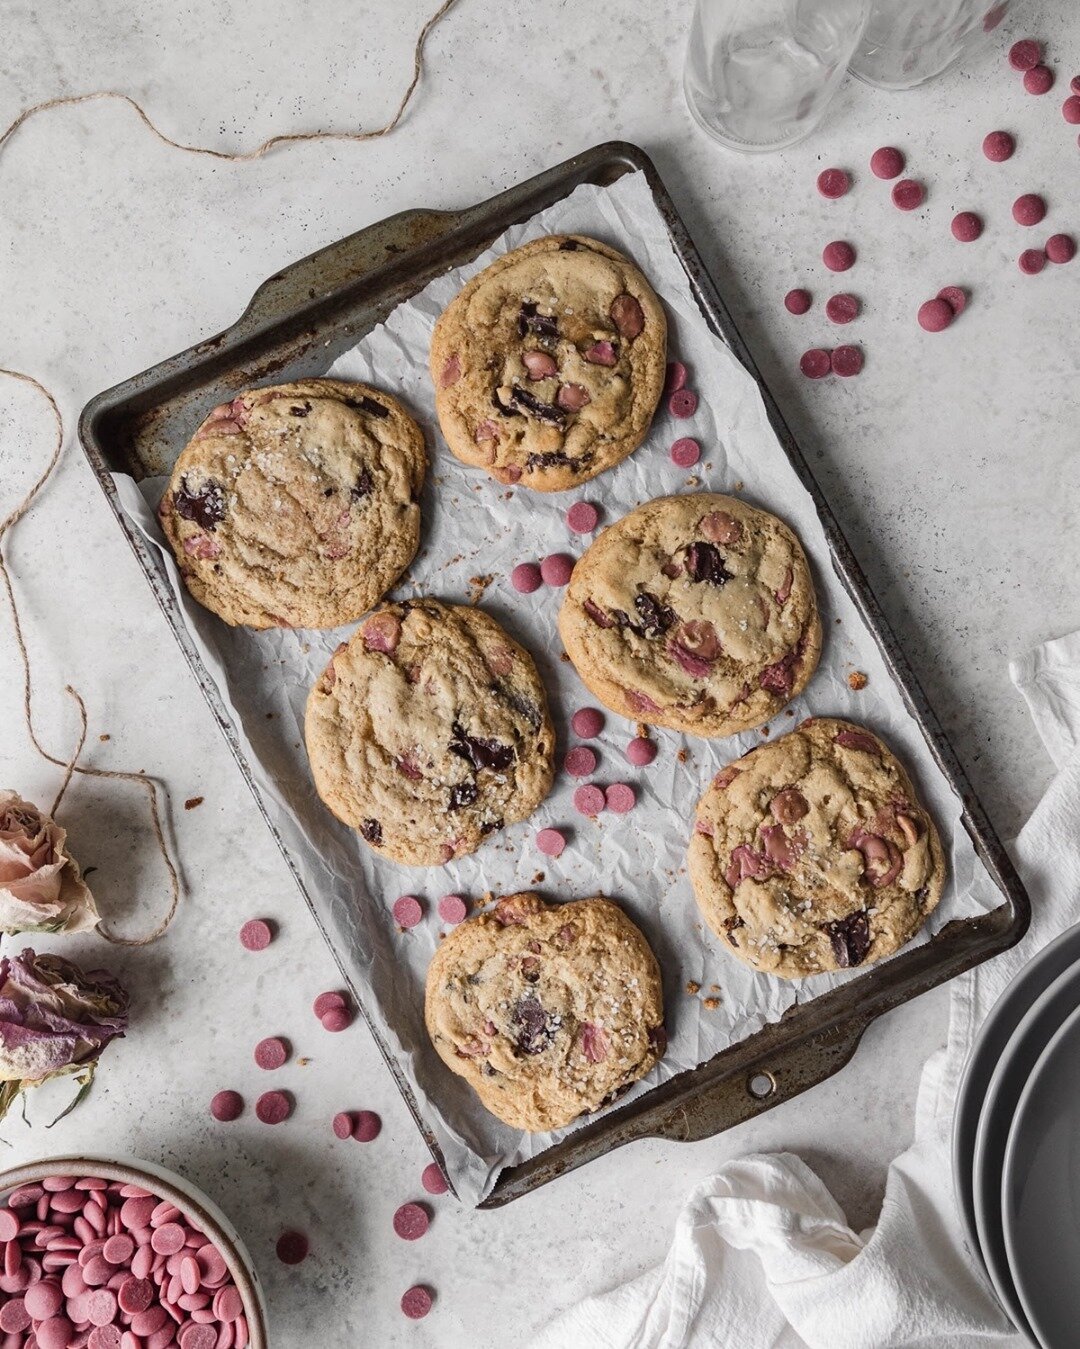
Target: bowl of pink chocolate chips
[(103, 1254)]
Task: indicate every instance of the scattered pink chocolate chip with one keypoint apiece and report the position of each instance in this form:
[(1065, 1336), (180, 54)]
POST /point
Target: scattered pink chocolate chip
[(620, 797), (683, 403), (1070, 109), (1061, 248), (589, 800), (955, 297), (433, 1179), (325, 1001), (271, 1053), (557, 568), (272, 1107), (966, 227), (336, 1019), (815, 363), (908, 194), (526, 577), (1039, 80), (368, 1126), (935, 315), (256, 935), (452, 909), (838, 256), (587, 722), (551, 842), (1029, 209), (407, 911), (580, 762), (641, 751), (842, 308), (168, 1239), (1031, 261), (887, 162), (685, 452), (1074, 84), (416, 1302), (1025, 54), (292, 1248), (847, 361), (999, 146), (582, 517), (343, 1124), (225, 1106), (411, 1221), (833, 183), (797, 301), (675, 377)]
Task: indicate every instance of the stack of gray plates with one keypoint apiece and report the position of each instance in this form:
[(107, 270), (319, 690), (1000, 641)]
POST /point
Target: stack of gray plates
[(1016, 1146)]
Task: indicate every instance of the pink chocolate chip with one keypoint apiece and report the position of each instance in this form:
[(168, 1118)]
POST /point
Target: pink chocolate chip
[(815, 363), (587, 722), (526, 577), (43, 1299), (411, 1221), (582, 517), (908, 194), (1029, 209), (846, 361), (271, 1053), (105, 1337), (197, 1336), (551, 842), (1025, 54), (675, 377), (325, 1001), (343, 1124), (256, 935), (452, 909), (9, 1225), (580, 762), (407, 912), (620, 798), (272, 1107), (797, 301), (1039, 80), (55, 1333), (966, 227), (683, 403), (368, 1126), (433, 1179), (292, 1248), (955, 297), (169, 1238), (838, 256), (589, 800), (685, 452), (336, 1019), (1074, 84), (833, 183), (999, 146), (887, 162), (842, 308), (101, 1307), (1031, 261), (1061, 248), (416, 1302), (935, 315), (119, 1249), (641, 751), (1070, 109), (135, 1295), (557, 568)]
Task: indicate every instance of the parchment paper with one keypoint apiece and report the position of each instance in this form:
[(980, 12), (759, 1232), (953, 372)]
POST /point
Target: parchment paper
[(475, 528)]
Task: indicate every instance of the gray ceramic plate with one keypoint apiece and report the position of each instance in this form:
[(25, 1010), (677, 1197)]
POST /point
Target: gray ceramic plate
[(1008, 1082), (1040, 1192), (997, 1030)]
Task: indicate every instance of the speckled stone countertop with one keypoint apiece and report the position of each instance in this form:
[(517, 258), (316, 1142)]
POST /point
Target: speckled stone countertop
[(952, 462)]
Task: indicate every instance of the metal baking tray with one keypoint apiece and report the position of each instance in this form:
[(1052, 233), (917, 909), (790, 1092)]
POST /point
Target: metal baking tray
[(297, 323)]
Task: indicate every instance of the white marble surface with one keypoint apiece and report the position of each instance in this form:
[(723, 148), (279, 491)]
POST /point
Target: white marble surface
[(952, 463)]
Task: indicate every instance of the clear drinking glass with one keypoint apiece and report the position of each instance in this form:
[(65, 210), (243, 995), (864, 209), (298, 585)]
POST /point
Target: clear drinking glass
[(908, 42), (760, 73)]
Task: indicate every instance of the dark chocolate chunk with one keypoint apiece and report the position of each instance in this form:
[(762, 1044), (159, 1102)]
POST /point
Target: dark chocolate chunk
[(559, 459), (532, 1025), (507, 409), (371, 830), (524, 707), (364, 485), (568, 246), (529, 321), (206, 507), (850, 938), (655, 617), (299, 409), (706, 563), (462, 794), (480, 753), (368, 405), (543, 412)]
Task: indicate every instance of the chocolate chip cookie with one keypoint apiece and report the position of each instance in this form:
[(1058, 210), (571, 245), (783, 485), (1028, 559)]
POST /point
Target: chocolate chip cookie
[(548, 366), (428, 731), (297, 505), (547, 1010), (694, 612), (812, 852)]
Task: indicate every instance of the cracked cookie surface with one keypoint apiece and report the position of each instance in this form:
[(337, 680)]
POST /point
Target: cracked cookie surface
[(694, 612), (428, 731), (547, 1010), (549, 364), (812, 853), (297, 505)]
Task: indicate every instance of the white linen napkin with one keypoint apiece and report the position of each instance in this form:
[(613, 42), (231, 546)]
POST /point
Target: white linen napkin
[(763, 1257)]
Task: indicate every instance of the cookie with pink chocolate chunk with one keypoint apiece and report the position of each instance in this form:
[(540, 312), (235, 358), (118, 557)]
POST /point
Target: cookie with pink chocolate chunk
[(549, 364), (549, 1011), (297, 505), (694, 612), (428, 731), (812, 853)]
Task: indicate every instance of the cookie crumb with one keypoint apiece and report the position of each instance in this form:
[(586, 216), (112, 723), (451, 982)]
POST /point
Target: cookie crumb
[(857, 680), (765, 732), (538, 879), (193, 801), (739, 485), (103, 738), (303, 1061), (714, 988), (683, 755), (692, 987), (477, 586), (710, 1004), (564, 657), (643, 730)]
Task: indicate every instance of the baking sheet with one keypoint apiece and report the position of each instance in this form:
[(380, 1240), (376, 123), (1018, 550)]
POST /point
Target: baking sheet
[(475, 529)]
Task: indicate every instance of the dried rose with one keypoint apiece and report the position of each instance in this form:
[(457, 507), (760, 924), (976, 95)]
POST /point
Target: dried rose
[(54, 1019), (41, 887)]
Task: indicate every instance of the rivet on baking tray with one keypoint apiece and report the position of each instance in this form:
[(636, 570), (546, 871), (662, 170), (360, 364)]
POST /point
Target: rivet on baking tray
[(761, 1085)]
